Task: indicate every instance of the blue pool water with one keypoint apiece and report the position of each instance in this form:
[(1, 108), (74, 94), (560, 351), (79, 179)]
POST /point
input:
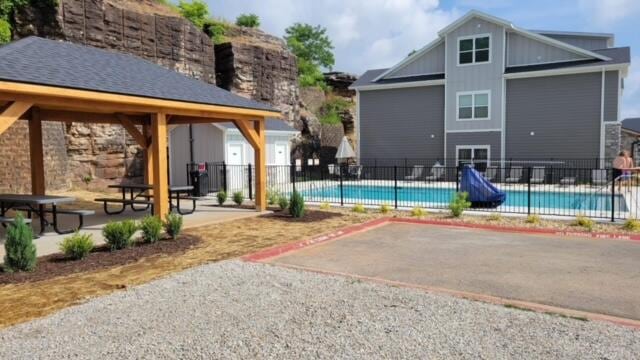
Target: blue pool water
[(411, 196)]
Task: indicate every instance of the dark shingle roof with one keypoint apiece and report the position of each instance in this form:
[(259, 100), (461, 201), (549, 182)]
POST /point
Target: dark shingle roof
[(621, 55), (270, 125), (632, 124), (41, 61), (367, 78)]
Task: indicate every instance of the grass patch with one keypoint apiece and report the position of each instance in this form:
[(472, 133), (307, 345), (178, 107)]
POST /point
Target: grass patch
[(584, 222), (632, 225), (533, 219)]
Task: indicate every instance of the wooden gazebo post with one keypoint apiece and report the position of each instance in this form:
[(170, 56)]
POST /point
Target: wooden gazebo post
[(36, 153), (159, 160)]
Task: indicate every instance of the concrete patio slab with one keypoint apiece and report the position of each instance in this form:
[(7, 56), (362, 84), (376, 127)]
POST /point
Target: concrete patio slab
[(205, 214), (591, 275)]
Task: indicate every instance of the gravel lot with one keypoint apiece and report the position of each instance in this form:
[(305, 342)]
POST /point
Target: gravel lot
[(240, 310)]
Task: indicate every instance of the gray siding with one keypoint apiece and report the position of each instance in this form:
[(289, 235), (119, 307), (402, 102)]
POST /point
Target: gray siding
[(584, 42), (491, 138), (431, 62), (522, 50), (208, 146), (562, 111), (398, 123), (483, 76), (611, 86)]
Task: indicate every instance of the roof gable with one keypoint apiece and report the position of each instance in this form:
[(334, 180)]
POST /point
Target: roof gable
[(522, 50), (41, 61), (428, 60)]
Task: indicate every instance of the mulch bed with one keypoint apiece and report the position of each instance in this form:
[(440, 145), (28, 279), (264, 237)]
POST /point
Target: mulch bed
[(309, 216), (101, 257)]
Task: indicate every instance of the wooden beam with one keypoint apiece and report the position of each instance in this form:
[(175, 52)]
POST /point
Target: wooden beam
[(36, 153), (165, 106), (133, 130), (12, 113), (248, 132), (148, 156), (260, 161), (160, 169), (88, 117), (184, 120)]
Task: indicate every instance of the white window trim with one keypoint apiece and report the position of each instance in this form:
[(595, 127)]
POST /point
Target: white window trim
[(473, 104), (472, 148), (474, 49)]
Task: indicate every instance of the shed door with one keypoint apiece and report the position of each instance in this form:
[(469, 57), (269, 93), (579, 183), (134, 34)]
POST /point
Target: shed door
[(235, 154), (281, 153)]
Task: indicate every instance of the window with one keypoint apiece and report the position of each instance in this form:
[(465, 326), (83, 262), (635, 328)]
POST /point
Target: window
[(475, 155), (473, 106), (475, 49)]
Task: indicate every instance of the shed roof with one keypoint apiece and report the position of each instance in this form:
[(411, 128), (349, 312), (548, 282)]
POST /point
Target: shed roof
[(270, 125), (35, 60)]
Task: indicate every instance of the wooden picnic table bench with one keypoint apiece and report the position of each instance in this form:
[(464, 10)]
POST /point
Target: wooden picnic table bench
[(41, 205), (138, 194)]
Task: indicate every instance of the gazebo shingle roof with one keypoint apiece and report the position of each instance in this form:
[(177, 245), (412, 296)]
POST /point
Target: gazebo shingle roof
[(41, 61)]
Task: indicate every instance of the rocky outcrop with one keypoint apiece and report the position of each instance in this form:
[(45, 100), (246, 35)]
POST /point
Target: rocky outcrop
[(339, 83), (259, 66)]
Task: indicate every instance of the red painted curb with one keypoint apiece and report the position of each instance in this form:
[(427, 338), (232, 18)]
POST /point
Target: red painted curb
[(489, 299), (516, 229), (282, 249)]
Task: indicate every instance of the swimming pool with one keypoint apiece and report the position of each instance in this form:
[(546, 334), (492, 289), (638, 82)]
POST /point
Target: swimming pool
[(571, 202)]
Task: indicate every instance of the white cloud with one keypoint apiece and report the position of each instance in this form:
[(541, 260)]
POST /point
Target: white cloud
[(606, 13), (631, 97), (366, 33)]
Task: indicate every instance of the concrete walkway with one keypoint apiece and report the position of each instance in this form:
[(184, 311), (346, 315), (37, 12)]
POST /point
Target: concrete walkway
[(598, 276), (205, 214)]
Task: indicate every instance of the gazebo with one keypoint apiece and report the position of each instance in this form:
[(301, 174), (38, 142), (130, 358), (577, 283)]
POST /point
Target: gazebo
[(47, 80)]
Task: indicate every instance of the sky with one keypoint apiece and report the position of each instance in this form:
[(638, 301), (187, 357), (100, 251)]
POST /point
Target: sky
[(370, 34)]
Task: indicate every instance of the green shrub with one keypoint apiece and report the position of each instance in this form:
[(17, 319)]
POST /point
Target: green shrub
[(385, 209), (173, 225), (459, 204), (222, 197), (273, 197), (494, 217), (238, 197), (248, 20), (418, 212), (359, 208), (325, 206), (283, 202), (584, 222), (77, 246), (151, 227), (632, 225), (118, 234), (5, 31), (216, 30), (19, 248), (296, 205), (532, 219), (331, 109)]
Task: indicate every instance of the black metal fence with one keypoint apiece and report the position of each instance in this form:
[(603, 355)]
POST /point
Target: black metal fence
[(539, 189)]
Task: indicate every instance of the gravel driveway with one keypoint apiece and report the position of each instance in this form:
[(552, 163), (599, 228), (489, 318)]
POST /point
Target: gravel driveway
[(241, 310)]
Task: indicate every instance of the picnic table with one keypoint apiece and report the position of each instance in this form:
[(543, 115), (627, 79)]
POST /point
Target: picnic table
[(138, 195), (41, 205)]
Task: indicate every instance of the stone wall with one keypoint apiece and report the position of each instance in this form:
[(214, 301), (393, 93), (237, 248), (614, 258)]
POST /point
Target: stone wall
[(611, 140), (16, 162), (143, 28)]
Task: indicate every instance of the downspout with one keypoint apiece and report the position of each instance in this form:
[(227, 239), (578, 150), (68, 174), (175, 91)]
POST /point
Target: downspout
[(191, 160)]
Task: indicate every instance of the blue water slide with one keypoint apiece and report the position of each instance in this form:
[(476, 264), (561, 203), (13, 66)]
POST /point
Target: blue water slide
[(482, 193)]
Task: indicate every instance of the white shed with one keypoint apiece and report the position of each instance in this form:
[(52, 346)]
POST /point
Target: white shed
[(215, 143)]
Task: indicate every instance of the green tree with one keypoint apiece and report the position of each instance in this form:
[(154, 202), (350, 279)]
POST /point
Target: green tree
[(313, 49), (5, 31), (196, 11), (248, 20)]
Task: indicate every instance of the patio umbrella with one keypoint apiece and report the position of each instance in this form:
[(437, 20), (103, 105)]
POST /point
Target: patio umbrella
[(345, 151)]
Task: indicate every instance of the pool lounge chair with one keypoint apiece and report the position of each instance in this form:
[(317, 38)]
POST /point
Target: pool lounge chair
[(437, 172), (599, 177), (569, 180), (537, 175), (334, 169), (491, 173), (416, 173), (515, 174), (355, 171)]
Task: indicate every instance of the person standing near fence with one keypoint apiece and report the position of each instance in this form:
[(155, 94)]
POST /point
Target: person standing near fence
[(622, 167)]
